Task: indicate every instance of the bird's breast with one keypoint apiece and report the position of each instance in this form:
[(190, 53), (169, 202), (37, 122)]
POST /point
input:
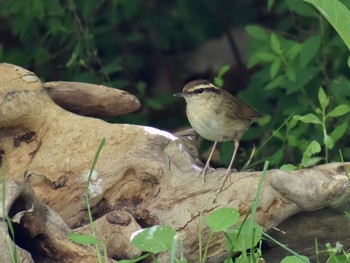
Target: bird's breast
[(212, 123)]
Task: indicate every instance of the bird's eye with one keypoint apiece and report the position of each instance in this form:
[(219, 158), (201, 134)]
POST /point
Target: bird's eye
[(200, 91)]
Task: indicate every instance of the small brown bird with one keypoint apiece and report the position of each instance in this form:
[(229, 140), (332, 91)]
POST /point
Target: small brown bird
[(216, 115)]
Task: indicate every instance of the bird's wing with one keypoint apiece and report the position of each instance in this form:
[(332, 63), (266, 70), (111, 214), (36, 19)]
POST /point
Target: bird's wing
[(240, 110)]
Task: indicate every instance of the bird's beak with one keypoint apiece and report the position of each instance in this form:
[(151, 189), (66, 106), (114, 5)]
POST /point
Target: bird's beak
[(180, 94)]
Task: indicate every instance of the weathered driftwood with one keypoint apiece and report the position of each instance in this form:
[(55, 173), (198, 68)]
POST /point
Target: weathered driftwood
[(38, 228), (90, 99), (146, 172)]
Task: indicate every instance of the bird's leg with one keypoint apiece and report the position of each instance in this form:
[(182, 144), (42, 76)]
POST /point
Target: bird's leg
[(207, 164), (229, 167)]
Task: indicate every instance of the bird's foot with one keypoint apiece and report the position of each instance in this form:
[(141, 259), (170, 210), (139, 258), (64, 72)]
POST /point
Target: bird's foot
[(204, 171), (225, 176)]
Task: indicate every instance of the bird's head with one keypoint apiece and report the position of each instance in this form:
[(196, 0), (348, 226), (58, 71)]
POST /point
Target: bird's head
[(198, 90)]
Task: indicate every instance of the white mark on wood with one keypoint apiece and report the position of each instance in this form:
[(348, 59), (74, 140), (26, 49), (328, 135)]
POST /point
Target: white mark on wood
[(154, 131), (30, 78)]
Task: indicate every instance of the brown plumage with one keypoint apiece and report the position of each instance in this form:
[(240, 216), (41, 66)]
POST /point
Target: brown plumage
[(216, 115)]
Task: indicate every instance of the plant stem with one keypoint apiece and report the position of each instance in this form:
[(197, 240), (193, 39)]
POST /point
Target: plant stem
[(324, 134), (207, 246), (87, 197)]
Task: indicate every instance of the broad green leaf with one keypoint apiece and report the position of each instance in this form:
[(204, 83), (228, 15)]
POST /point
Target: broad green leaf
[(279, 81), (275, 66), (292, 52), (309, 49), (295, 259), (308, 118), (218, 81), (318, 111), (301, 8), (257, 32), (337, 14), (328, 141), (290, 73), (275, 44), (244, 236), (313, 147), (223, 70), (303, 77), (288, 167), (264, 120), (221, 219), (83, 239), (292, 123), (276, 157), (266, 57), (322, 98), (253, 60), (155, 239), (293, 140), (349, 62), (339, 110), (339, 131), (278, 135), (312, 161)]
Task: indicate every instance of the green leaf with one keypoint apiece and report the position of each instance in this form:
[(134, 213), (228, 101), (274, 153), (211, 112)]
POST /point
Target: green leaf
[(218, 81), (134, 260), (295, 259), (288, 167), (275, 44), (292, 52), (112, 68), (223, 70), (264, 120), (322, 98), (301, 8), (253, 60), (349, 62), (313, 147), (337, 14), (328, 141), (221, 219), (279, 81), (309, 118), (257, 32), (276, 157), (83, 239), (266, 57), (309, 50), (312, 161), (275, 66), (245, 236), (339, 110), (339, 131), (290, 72), (155, 239)]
